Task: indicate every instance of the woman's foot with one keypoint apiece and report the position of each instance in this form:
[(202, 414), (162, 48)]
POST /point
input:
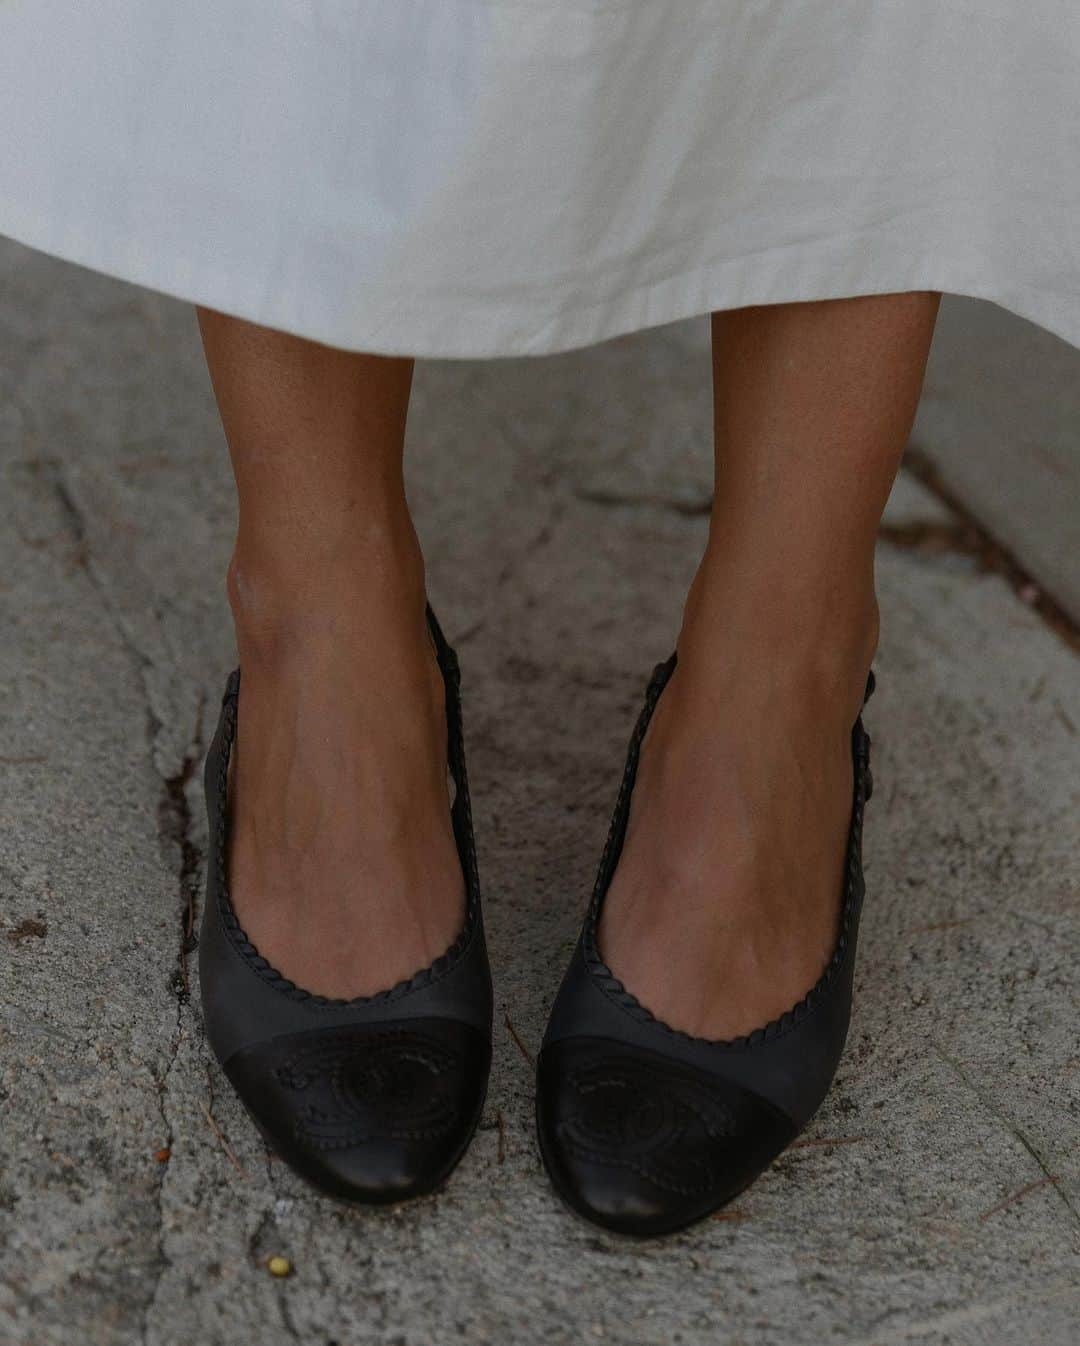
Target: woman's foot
[(343, 868), (723, 908)]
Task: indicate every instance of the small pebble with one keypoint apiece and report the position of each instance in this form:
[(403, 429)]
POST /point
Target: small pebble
[(278, 1266)]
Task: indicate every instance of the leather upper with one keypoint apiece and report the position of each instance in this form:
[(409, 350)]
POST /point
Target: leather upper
[(658, 1102), (371, 1109), (371, 1098)]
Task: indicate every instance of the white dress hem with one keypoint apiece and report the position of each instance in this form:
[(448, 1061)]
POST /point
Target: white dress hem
[(431, 327)]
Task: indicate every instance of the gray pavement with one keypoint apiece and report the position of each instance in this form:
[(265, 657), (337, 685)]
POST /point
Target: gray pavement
[(999, 420), (936, 1197)]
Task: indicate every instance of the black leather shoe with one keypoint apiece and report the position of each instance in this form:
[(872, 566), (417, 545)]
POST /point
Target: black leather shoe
[(645, 1129), (373, 1099)]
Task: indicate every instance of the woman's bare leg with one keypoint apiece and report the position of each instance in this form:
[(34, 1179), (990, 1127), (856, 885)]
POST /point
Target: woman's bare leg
[(723, 908), (343, 866)]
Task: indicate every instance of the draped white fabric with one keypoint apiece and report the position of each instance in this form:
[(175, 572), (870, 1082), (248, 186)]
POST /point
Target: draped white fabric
[(497, 177)]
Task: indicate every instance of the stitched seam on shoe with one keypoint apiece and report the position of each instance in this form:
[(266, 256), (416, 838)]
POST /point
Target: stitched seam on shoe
[(791, 1018), (234, 931)]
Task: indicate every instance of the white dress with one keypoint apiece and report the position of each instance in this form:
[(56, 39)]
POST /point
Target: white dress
[(501, 177)]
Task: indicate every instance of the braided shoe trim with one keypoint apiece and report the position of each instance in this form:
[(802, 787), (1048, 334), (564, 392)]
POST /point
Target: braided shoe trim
[(610, 984), (463, 830)]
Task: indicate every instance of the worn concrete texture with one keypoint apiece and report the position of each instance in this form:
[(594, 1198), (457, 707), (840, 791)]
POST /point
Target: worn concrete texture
[(999, 422), (936, 1197)]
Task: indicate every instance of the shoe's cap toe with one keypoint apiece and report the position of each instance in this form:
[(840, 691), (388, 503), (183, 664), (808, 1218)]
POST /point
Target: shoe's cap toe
[(644, 1145), (368, 1113)]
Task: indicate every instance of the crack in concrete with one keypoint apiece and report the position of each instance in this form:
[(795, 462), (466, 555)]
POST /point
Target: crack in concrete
[(174, 812), (258, 1257), (174, 828), (83, 558), (1053, 1179), (174, 820), (967, 536), (162, 1261), (689, 507), (285, 1313), (265, 1219)]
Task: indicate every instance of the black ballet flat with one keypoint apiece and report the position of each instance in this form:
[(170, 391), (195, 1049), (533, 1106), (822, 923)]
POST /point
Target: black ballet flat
[(373, 1099), (645, 1129)]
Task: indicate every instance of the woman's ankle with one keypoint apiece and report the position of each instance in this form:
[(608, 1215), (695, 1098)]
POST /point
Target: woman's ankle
[(811, 642), (376, 590)]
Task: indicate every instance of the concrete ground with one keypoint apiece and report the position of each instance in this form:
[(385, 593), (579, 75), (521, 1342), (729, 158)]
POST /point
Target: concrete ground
[(999, 424), (935, 1198)]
